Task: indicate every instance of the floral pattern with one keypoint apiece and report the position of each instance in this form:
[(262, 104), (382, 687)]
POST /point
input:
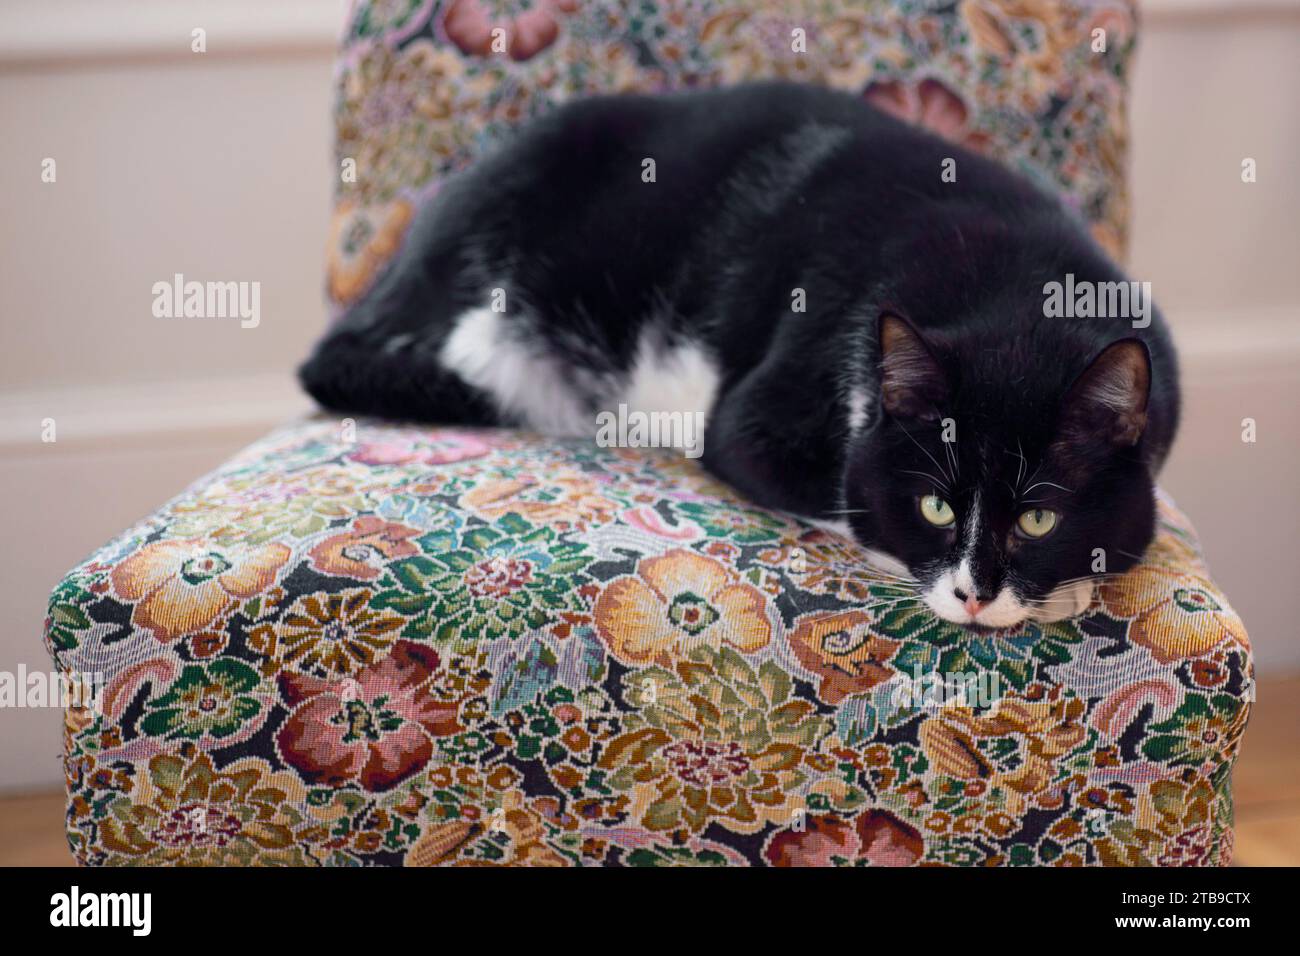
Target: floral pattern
[(446, 658), (370, 644), (376, 730), (676, 599), (425, 87), (180, 587)]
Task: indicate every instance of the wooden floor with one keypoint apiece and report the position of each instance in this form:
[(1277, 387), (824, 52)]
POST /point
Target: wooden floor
[(1267, 785)]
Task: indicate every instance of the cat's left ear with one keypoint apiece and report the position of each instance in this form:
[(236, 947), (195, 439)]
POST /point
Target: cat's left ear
[(1109, 398), (912, 384)]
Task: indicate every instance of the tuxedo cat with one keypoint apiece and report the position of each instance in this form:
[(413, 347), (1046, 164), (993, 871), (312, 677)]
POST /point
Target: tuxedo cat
[(867, 337)]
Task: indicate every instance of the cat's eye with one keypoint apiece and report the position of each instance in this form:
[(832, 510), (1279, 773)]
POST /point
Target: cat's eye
[(937, 511), (1037, 522)]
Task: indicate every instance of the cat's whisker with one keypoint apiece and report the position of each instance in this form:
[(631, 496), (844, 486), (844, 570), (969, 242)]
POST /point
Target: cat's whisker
[(876, 607), (854, 553), (1032, 477), (1052, 599), (941, 485), (1089, 577), (1054, 596), (880, 576), (951, 455), (1051, 484), (907, 594), (924, 452), (873, 577)]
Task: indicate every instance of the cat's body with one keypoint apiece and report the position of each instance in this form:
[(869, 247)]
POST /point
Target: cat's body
[(798, 270)]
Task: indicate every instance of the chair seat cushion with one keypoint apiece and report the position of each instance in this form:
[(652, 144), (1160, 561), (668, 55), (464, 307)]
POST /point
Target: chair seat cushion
[(366, 643)]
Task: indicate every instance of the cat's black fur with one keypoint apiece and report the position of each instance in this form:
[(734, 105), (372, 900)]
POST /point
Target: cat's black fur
[(758, 191)]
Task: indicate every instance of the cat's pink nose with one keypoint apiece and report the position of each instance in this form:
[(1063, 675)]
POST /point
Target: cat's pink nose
[(973, 606)]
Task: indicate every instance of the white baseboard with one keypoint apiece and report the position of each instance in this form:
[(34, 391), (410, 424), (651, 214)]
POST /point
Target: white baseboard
[(1241, 343), (148, 414), (1166, 10), (32, 31)]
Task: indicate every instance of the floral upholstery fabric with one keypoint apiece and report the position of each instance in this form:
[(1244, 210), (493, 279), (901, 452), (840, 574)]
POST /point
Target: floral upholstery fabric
[(435, 646), (369, 643), (424, 86)]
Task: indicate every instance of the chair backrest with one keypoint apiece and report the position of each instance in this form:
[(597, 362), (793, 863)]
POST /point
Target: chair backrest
[(423, 86)]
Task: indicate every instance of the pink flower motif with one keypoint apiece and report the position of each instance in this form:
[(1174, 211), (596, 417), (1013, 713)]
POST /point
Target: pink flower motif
[(929, 104), (376, 729), (1189, 848), (1114, 714), (469, 24), (122, 688), (874, 836), (887, 840), (438, 448), (389, 452), (1135, 774), (445, 448), (647, 519)]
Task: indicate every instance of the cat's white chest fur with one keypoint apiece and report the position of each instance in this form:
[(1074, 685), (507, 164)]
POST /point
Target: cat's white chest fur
[(540, 391)]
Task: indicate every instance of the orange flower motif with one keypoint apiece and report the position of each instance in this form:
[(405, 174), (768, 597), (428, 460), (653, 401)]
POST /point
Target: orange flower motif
[(843, 651), (337, 633), (1039, 732), (1180, 823), (183, 586), (184, 810), (362, 239), (680, 598), (565, 503), (1175, 615), (361, 552)]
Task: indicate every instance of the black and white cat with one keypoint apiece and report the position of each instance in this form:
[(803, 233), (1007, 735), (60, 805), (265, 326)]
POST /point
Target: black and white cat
[(868, 339)]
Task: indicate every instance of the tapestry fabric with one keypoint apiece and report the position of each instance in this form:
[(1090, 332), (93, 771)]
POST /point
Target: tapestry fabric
[(425, 86), (364, 643)]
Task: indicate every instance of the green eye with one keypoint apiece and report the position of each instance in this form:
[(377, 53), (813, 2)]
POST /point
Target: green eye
[(1037, 522), (937, 511)]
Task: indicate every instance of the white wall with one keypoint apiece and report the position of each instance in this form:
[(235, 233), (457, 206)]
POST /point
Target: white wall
[(1216, 83), (218, 166)]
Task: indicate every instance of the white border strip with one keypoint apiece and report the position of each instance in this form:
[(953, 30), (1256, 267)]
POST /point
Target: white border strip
[(33, 31), (1155, 10), (128, 414)]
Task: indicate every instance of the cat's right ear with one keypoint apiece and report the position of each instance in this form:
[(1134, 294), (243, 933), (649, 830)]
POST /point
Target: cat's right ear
[(912, 383), (1108, 401)]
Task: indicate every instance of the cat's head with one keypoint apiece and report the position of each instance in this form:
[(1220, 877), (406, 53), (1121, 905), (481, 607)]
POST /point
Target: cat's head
[(1003, 492)]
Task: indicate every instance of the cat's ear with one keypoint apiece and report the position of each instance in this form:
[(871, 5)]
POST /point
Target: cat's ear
[(1109, 398), (912, 383)]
